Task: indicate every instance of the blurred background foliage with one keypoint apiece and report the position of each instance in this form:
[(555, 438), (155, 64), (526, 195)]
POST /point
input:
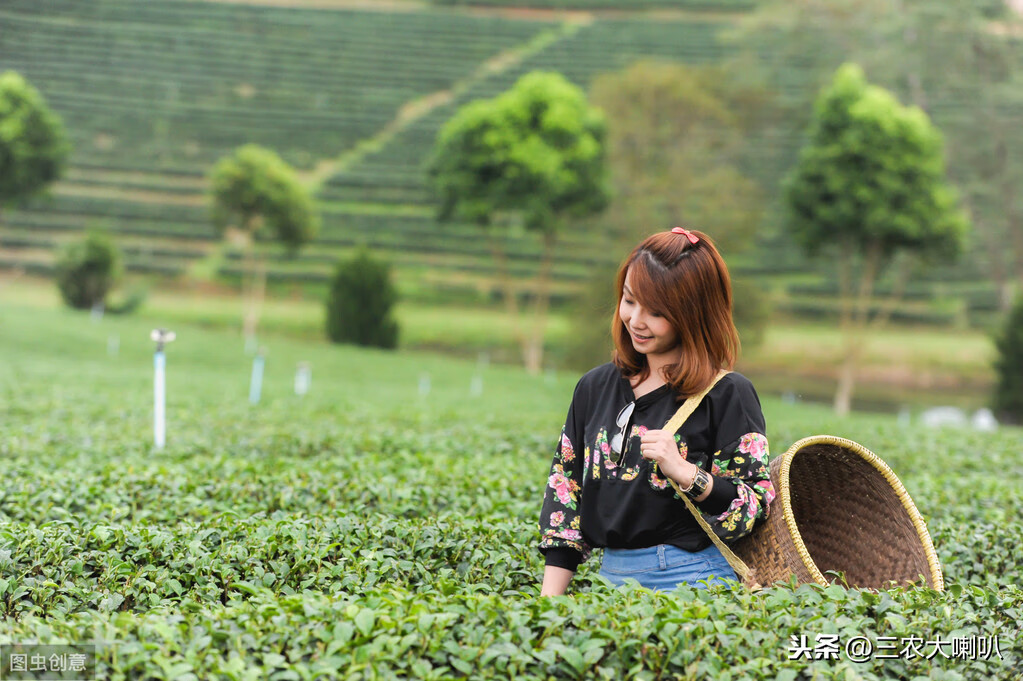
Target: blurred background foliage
[(707, 106)]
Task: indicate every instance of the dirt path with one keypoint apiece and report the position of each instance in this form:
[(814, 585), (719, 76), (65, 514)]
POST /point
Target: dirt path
[(417, 108)]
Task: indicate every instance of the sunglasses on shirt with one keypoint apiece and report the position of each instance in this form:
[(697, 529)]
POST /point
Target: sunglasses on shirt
[(622, 422)]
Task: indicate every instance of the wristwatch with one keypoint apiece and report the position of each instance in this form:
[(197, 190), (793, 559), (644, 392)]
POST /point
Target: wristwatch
[(699, 484)]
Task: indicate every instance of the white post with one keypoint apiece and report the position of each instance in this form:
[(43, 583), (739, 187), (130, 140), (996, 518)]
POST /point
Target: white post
[(161, 337), (424, 385), (256, 384), (476, 386), (303, 378), (159, 400), (113, 345), (904, 418)]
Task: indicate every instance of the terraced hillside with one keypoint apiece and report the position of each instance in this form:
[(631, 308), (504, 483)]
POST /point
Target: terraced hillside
[(584, 51), (154, 91)]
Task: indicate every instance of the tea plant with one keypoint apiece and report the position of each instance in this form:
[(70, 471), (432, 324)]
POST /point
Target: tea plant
[(366, 532)]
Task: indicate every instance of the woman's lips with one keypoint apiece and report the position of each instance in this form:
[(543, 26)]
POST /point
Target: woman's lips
[(640, 339)]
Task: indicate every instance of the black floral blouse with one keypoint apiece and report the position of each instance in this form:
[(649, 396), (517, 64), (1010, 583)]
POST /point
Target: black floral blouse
[(590, 502)]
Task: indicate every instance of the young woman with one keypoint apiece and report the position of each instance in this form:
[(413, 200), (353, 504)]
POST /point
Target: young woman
[(608, 485)]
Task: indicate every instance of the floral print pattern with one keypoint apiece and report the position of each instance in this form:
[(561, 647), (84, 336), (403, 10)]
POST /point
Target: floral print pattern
[(683, 448), (656, 481), (602, 451), (755, 445), (563, 525), (580, 464), (752, 477), (572, 538), (565, 488), (567, 452)]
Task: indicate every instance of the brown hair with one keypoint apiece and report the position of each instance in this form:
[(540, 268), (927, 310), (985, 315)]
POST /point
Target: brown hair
[(688, 284)]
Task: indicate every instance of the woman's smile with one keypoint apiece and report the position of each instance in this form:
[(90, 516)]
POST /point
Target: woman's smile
[(653, 334)]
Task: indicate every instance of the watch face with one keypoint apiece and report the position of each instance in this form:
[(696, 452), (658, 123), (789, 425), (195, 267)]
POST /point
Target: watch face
[(699, 484)]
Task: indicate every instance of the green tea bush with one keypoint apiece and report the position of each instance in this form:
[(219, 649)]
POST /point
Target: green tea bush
[(1009, 365), (360, 303), (360, 532), (87, 269)]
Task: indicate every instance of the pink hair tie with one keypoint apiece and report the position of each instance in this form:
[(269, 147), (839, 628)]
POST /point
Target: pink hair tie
[(692, 237)]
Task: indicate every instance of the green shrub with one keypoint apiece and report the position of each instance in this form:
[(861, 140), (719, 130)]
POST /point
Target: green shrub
[(1009, 365), (87, 269), (126, 302), (360, 302)]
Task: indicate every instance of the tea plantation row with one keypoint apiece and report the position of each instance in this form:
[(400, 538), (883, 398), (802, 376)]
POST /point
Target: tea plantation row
[(366, 532)]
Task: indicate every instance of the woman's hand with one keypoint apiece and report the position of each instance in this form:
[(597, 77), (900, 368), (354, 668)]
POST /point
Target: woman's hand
[(660, 447)]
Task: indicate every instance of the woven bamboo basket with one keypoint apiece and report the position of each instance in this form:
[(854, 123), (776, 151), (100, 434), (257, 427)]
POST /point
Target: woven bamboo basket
[(841, 508)]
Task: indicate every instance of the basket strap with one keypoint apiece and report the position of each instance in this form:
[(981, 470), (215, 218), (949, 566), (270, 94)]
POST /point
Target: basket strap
[(690, 405), (674, 423)]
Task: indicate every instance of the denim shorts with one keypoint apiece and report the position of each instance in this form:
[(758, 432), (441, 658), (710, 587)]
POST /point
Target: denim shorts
[(663, 567)]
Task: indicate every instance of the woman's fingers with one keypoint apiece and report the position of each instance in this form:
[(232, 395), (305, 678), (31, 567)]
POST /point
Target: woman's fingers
[(656, 444), (651, 435), (657, 435)]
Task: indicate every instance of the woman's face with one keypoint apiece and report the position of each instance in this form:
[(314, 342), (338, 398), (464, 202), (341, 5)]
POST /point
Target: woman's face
[(651, 333)]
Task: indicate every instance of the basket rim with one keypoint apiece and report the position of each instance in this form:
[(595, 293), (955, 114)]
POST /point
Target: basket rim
[(889, 476)]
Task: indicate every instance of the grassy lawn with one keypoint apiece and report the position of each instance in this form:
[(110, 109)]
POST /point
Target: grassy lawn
[(900, 365)]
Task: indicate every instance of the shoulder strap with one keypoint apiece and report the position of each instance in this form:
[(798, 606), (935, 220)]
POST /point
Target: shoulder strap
[(690, 405), (674, 423)]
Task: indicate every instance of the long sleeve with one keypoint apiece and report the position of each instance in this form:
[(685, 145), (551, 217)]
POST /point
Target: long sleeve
[(562, 541), (742, 461)]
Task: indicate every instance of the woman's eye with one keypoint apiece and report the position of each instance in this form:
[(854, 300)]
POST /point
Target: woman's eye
[(629, 302)]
